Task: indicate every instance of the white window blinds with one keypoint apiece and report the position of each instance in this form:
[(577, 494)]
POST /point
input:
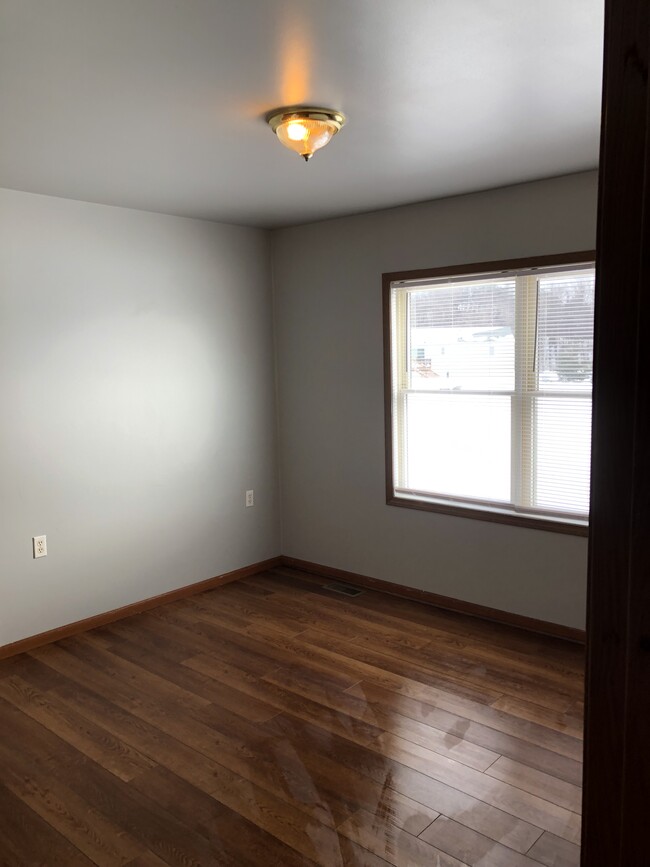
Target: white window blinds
[(561, 428), (491, 391)]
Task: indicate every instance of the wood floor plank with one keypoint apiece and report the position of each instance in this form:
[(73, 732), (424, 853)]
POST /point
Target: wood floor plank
[(172, 641), (294, 742), (196, 763), (154, 686), (555, 852), (334, 719), (148, 859), (314, 745), (23, 834), (470, 722), (448, 648), (406, 649), (206, 688), (287, 649), (458, 727), (577, 709), (472, 848), (399, 748), (140, 734), (310, 678), (321, 613), (437, 740), (272, 722), (395, 665), (508, 639), (146, 821), (526, 806), (230, 644), (39, 675), (89, 738), (568, 723), (220, 826), (332, 653), (395, 845), (88, 673), (134, 630), (43, 748), (248, 652), (476, 670), (354, 855), (537, 783), (245, 618), (36, 773), (103, 842), (312, 839), (99, 790), (524, 685)]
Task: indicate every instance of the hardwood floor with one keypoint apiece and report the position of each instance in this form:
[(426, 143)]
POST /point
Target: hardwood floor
[(270, 722)]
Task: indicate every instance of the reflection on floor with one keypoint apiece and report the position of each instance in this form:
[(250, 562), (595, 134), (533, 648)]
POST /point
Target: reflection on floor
[(271, 722)]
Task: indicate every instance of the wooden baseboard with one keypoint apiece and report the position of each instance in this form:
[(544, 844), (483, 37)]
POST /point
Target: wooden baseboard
[(447, 603), (60, 632)]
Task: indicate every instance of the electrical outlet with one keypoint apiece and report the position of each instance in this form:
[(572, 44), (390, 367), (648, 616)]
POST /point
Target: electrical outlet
[(40, 546), (250, 498)]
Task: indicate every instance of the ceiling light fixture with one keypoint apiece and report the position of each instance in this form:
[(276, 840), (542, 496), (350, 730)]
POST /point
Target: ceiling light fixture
[(305, 130)]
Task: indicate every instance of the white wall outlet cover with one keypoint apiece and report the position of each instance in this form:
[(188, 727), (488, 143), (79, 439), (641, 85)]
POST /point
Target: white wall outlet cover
[(250, 498), (39, 546)]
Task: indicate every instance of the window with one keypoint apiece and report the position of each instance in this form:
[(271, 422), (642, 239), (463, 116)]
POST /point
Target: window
[(488, 390)]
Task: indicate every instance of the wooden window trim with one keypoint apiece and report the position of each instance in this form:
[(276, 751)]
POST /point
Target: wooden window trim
[(388, 278)]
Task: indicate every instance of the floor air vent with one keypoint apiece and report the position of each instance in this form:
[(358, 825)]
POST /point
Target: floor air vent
[(343, 589)]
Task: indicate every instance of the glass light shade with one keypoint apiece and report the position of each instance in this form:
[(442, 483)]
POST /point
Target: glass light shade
[(305, 131), (305, 136)]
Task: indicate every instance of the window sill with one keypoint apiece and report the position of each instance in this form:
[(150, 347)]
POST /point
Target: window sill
[(495, 516)]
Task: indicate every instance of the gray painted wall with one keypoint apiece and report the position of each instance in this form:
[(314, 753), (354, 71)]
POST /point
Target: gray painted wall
[(327, 288), (137, 395)]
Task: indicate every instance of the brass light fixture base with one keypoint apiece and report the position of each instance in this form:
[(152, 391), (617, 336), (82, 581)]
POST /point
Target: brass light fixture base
[(297, 112), (305, 129)]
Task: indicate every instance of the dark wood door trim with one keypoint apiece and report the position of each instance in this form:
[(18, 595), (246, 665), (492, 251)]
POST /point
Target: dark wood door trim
[(617, 758)]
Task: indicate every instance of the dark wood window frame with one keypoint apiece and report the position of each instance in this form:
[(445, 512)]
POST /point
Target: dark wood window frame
[(488, 268)]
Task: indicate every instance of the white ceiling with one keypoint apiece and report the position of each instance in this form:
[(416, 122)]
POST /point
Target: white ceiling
[(158, 104)]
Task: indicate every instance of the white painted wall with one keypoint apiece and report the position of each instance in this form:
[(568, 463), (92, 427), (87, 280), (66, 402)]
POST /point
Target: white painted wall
[(137, 398), (327, 287)]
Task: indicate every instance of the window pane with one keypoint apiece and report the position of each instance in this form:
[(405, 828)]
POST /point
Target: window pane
[(565, 332), (492, 390), (563, 428), (459, 445), (461, 337)]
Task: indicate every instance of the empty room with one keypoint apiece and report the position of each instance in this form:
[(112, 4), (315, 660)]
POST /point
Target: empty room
[(300, 340)]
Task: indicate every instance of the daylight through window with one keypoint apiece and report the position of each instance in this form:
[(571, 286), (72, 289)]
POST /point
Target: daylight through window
[(490, 398)]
